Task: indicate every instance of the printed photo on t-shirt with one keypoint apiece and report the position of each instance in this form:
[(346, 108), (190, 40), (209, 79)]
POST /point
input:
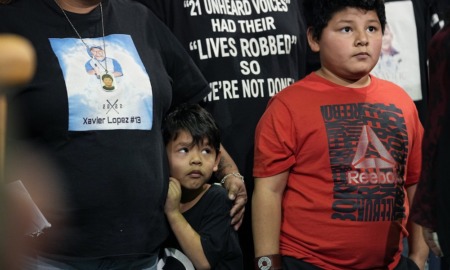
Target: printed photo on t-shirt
[(399, 59), (107, 84)]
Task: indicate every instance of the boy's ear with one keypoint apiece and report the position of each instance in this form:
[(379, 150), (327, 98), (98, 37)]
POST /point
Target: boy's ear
[(312, 41), (216, 163)]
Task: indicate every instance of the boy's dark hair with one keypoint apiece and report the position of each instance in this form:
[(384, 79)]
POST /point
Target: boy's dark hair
[(194, 119), (319, 12), (106, 76)]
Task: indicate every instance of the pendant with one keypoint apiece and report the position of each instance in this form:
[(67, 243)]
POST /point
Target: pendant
[(107, 81)]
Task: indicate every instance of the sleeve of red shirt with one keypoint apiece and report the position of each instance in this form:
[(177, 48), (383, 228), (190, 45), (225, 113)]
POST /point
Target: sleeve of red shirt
[(274, 140)]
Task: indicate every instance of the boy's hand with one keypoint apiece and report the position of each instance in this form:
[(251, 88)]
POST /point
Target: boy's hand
[(238, 193), (432, 241), (173, 196)]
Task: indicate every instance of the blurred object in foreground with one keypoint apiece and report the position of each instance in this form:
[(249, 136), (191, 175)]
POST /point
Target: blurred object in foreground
[(25, 212), (17, 67), (17, 61), (37, 221)]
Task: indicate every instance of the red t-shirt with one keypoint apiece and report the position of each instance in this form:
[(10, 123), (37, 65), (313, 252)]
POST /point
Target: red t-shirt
[(350, 153)]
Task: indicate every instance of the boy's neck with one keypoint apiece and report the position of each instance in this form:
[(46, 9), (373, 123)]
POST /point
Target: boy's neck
[(359, 83), (190, 197), (78, 6)]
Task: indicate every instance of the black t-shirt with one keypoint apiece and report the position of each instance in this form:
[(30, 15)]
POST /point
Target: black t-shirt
[(210, 218), (107, 144), (247, 51)]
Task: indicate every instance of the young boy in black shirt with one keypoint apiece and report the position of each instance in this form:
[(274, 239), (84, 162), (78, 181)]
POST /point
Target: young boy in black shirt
[(198, 213)]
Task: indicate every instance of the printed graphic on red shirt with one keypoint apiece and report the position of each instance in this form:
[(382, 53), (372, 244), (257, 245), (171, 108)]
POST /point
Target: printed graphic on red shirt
[(368, 146)]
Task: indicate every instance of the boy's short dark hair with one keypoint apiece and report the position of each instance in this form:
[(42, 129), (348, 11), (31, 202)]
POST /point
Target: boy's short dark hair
[(194, 119), (319, 12), (106, 76)]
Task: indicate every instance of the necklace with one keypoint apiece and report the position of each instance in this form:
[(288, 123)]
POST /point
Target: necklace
[(105, 67)]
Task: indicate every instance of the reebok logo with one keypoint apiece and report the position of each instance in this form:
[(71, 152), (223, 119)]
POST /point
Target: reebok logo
[(373, 162)]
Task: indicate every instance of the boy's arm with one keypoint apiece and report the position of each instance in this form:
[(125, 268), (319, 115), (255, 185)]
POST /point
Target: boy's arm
[(418, 249), (234, 185), (266, 213), (187, 237)]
